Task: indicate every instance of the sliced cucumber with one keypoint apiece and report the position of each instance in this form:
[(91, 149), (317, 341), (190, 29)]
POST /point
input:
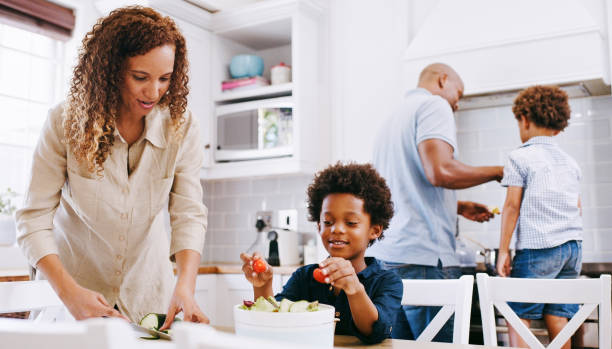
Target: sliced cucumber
[(299, 307), (149, 338), (313, 306), (261, 304), (273, 302), (285, 305), (153, 321)]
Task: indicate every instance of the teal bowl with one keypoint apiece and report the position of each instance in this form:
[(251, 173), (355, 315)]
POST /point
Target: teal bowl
[(242, 66)]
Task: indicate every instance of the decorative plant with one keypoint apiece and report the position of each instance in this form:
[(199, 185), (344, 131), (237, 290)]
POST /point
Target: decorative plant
[(6, 204)]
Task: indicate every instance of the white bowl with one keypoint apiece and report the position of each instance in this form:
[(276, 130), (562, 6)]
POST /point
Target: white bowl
[(310, 328)]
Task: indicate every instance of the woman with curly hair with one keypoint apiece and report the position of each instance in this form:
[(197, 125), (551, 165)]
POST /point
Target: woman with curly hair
[(108, 159), (352, 206)]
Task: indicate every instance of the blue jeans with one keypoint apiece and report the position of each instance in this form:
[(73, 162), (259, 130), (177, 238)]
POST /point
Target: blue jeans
[(412, 320), (560, 262)]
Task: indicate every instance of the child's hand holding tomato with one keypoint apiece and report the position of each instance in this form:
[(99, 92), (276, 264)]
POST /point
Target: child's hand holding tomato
[(255, 269), (341, 274)]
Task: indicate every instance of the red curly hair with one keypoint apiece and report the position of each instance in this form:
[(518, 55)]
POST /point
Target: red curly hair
[(93, 102)]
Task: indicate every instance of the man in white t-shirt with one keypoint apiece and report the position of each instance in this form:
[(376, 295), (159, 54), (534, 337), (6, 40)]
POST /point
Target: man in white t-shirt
[(416, 153)]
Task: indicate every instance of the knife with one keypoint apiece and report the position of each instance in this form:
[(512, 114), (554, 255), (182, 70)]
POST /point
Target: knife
[(150, 331)]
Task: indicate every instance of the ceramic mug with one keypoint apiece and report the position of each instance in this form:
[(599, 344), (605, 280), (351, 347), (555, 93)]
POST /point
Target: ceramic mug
[(280, 74)]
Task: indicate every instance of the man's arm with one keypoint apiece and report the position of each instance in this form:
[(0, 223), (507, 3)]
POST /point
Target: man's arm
[(442, 170)]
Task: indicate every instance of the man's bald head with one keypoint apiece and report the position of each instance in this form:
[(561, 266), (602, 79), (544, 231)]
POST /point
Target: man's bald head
[(442, 80), (431, 73)]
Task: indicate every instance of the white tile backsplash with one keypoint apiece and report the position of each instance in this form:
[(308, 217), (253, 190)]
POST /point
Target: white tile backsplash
[(588, 139), (225, 204), (265, 186), (234, 204), (237, 187), (252, 203)]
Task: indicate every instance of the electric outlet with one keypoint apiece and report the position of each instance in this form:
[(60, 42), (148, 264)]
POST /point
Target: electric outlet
[(266, 217), (287, 219)]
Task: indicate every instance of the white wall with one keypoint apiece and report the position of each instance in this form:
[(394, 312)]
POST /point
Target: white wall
[(366, 44)]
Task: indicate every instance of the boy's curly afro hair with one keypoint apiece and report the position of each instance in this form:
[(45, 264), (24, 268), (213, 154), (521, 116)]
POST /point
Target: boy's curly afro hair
[(545, 106), (360, 180)]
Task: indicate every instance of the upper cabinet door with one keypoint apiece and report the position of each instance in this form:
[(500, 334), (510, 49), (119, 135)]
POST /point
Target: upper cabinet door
[(199, 99)]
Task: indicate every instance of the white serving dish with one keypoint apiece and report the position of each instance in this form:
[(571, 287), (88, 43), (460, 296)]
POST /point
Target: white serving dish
[(314, 328)]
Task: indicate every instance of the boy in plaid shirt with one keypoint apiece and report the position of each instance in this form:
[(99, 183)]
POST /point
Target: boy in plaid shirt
[(542, 205)]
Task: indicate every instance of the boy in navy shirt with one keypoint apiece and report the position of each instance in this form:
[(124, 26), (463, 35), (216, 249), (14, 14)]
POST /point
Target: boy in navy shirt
[(352, 207)]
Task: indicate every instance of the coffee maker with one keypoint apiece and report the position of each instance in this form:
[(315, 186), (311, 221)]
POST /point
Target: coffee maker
[(277, 243)]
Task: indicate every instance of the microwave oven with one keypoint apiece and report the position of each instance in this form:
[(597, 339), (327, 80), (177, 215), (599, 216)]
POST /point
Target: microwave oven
[(254, 130)]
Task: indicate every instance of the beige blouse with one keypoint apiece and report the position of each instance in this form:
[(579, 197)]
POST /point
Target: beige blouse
[(109, 232)]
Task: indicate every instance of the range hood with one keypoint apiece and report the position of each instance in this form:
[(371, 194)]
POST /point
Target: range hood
[(500, 47)]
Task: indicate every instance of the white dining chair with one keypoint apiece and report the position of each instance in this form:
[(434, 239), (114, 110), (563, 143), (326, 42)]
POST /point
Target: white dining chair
[(36, 296), (97, 333), (188, 335), (591, 293), (455, 296)]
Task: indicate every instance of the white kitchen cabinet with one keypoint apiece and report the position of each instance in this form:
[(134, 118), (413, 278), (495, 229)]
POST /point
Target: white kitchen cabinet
[(206, 294), (199, 101), (289, 31), (232, 289), (194, 24)]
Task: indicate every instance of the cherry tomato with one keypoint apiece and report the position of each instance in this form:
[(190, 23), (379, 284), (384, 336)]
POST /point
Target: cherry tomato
[(259, 266), (319, 276)]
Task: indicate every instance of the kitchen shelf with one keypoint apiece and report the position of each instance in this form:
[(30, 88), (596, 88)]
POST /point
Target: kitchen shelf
[(255, 93), (277, 31), (258, 36)]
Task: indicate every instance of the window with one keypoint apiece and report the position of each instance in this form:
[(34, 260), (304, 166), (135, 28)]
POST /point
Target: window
[(30, 83)]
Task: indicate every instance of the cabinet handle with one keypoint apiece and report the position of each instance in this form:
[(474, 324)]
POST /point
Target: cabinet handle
[(207, 146)]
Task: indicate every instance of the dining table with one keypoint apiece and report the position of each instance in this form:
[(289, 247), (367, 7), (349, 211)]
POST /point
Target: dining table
[(341, 341)]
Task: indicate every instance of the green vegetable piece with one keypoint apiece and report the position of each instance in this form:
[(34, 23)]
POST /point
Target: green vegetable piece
[(285, 305), (150, 338), (152, 321), (261, 304), (299, 307), (313, 306), (273, 302)]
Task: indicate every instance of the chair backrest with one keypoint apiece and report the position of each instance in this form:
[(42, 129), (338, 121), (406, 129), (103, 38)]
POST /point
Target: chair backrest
[(198, 336), (592, 293), (93, 334), (18, 296), (454, 295)]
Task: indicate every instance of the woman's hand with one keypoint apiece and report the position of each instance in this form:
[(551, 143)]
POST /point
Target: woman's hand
[(81, 302), (183, 300), (474, 211), (84, 303), (503, 263), (342, 275), (260, 279)]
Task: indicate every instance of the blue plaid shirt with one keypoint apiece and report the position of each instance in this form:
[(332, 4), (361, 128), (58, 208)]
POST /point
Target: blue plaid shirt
[(549, 214)]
